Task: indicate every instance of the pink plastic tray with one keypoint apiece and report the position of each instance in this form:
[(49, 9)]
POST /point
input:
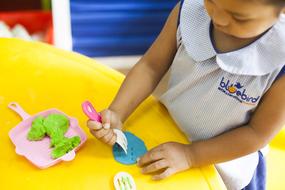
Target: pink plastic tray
[(39, 152)]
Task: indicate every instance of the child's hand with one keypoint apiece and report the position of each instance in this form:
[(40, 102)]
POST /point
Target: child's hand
[(166, 159), (104, 131)]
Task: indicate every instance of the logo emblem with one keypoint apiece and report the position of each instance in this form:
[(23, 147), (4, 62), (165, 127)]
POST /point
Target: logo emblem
[(237, 91)]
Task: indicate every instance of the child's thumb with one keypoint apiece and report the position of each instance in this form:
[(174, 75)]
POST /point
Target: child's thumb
[(106, 118)]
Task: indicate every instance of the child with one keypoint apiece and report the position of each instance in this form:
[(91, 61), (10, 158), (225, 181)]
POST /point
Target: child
[(226, 89)]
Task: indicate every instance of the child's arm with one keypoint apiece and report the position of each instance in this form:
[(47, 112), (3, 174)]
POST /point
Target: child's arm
[(140, 81), (266, 122), (146, 74)]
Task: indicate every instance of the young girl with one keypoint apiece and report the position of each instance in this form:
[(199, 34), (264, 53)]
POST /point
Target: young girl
[(226, 89)]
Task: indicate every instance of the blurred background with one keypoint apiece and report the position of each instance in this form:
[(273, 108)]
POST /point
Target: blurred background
[(114, 32)]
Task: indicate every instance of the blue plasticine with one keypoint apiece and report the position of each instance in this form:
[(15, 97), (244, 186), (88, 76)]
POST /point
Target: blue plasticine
[(136, 149)]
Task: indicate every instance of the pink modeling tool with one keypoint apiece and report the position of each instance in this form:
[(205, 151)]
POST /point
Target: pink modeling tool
[(92, 114), (90, 111)]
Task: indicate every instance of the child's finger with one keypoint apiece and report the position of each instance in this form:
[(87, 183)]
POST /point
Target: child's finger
[(113, 140), (94, 125), (168, 172), (93, 132), (106, 118), (107, 126), (151, 156), (106, 138), (155, 166), (100, 133)]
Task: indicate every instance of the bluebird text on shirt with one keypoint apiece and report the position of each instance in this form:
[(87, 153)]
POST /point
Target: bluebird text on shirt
[(237, 91)]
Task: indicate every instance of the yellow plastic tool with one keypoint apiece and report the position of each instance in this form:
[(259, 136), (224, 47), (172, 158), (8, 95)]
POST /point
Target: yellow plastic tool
[(40, 77)]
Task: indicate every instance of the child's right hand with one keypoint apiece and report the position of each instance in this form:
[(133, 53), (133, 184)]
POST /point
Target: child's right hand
[(104, 131)]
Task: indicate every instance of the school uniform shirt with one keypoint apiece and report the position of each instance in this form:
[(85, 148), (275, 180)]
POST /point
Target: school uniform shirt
[(210, 93)]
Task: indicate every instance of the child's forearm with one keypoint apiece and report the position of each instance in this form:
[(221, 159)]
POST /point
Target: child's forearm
[(146, 74), (228, 146), (139, 84)]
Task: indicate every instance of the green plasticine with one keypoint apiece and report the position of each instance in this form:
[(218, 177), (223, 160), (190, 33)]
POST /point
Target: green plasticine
[(56, 138), (55, 126), (64, 146), (37, 131)]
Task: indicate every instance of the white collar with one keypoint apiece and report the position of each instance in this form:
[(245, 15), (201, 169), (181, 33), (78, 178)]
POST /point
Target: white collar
[(259, 58)]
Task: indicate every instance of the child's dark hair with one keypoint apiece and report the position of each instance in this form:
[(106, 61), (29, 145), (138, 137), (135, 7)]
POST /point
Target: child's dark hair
[(275, 2)]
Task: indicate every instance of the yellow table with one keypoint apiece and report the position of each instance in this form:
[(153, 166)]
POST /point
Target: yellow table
[(40, 77), (276, 163)]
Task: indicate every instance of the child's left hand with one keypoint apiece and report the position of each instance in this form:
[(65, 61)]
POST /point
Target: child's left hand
[(166, 159)]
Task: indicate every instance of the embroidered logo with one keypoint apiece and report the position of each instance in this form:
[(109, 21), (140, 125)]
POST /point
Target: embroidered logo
[(237, 91)]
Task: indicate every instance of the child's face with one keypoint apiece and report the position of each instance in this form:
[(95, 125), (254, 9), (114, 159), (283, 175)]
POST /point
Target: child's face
[(242, 18)]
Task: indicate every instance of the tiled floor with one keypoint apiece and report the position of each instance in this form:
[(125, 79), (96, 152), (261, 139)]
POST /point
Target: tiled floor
[(124, 64)]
